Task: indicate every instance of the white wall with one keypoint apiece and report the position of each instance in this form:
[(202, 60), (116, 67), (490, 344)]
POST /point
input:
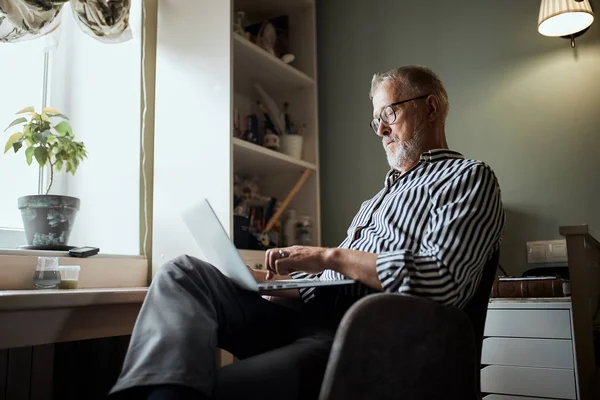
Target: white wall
[(524, 103), (192, 145), (98, 86)]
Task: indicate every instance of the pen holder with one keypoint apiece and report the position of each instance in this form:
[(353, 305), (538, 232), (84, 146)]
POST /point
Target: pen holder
[(292, 145)]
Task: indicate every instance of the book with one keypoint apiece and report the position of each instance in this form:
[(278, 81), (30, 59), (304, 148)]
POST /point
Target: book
[(531, 287)]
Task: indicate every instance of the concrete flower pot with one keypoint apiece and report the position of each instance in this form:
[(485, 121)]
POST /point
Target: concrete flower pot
[(48, 219)]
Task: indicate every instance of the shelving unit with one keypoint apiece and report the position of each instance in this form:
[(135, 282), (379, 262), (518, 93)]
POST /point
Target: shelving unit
[(253, 64), (204, 71), (250, 158), (294, 83)]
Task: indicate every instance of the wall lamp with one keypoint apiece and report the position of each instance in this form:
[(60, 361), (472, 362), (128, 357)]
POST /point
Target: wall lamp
[(565, 18)]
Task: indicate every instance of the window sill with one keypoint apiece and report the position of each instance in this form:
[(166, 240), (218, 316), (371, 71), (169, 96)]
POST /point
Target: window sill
[(101, 271)]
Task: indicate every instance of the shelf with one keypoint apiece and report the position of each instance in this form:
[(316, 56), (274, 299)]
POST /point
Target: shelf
[(271, 7), (250, 158), (254, 65)]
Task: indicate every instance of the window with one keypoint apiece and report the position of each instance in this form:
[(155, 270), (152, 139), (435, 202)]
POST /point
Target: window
[(22, 70), (98, 86)]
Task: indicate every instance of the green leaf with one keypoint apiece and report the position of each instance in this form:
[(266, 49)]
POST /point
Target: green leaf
[(41, 155), (45, 135), (38, 137), (25, 110), (63, 128), (16, 122), (29, 154), (12, 139), (69, 166), (17, 145), (58, 165)]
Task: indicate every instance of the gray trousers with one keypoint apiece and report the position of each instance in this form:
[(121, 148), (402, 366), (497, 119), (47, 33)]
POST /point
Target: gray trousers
[(192, 309)]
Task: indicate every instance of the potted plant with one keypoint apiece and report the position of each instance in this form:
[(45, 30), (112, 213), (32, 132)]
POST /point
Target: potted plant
[(47, 137)]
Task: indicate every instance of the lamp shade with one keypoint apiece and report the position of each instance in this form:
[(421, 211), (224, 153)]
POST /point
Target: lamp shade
[(564, 17)]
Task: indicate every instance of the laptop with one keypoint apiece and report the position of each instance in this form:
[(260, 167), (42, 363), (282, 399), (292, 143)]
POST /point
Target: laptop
[(220, 251)]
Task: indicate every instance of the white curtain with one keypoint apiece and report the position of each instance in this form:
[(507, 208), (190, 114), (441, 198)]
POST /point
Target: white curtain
[(104, 20)]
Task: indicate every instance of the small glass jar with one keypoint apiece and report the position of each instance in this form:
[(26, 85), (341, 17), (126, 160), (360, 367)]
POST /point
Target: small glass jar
[(69, 276), (304, 231), (47, 275)]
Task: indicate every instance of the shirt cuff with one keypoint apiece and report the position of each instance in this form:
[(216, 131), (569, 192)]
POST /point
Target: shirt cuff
[(391, 268)]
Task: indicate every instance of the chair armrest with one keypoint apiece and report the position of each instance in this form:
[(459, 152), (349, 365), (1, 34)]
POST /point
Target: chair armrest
[(392, 346)]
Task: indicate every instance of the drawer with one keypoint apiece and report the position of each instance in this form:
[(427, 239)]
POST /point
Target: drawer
[(545, 353), (507, 397), (527, 381), (550, 324)]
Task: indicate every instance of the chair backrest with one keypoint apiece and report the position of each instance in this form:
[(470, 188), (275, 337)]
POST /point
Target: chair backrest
[(379, 355), (477, 307)]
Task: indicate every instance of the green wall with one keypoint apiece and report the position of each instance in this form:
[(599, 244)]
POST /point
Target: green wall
[(527, 105)]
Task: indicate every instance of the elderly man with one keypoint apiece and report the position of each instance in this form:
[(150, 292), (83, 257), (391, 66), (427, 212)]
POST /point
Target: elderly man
[(428, 232)]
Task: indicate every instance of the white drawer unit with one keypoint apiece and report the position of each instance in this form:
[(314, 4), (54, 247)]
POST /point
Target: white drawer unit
[(528, 351), (545, 353)]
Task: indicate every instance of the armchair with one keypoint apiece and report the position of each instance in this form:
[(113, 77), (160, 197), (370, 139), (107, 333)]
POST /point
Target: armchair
[(392, 346)]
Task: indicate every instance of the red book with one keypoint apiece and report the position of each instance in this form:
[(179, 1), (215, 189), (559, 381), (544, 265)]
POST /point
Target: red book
[(531, 287)]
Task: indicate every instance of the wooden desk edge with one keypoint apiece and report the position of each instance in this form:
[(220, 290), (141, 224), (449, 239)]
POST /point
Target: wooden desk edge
[(579, 230), (18, 300)]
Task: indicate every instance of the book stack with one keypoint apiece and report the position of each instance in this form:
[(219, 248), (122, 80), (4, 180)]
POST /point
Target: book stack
[(542, 286)]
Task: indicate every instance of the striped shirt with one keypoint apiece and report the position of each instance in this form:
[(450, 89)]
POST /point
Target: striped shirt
[(433, 228)]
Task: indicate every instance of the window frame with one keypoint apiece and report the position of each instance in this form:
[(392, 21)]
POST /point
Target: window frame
[(7, 231)]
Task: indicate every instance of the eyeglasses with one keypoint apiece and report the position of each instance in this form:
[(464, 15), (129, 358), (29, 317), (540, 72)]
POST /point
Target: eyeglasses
[(388, 114)]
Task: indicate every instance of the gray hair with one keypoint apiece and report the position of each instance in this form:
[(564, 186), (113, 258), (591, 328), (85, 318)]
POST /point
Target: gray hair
[(415, 81)]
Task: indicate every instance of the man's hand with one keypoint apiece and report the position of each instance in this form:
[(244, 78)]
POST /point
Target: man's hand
[(285, 260), (261, 276)]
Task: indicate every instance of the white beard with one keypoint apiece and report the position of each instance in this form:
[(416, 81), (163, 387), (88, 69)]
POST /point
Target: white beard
[(405, 152)]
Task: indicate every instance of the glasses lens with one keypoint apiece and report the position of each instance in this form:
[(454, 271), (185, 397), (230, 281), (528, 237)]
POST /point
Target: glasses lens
[(388, 115), (375, 125)]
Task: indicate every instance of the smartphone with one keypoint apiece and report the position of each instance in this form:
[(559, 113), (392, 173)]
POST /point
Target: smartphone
[(82, 252)]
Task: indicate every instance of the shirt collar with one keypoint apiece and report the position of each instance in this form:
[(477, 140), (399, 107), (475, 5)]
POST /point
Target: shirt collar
[(440, 154), (429, 156)]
